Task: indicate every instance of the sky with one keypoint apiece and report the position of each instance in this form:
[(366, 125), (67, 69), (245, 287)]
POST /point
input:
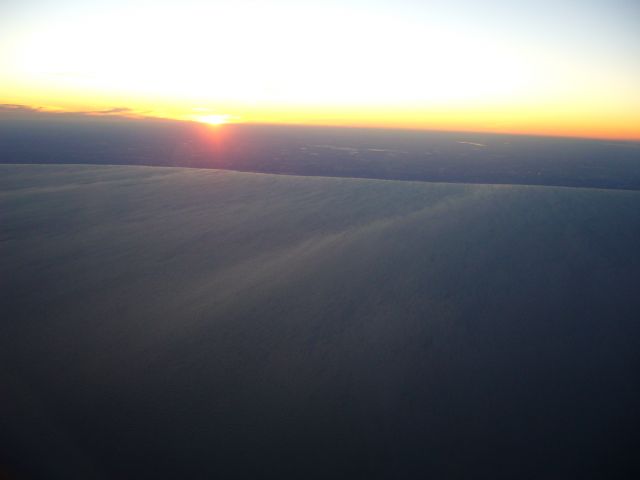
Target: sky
[(569, 68)]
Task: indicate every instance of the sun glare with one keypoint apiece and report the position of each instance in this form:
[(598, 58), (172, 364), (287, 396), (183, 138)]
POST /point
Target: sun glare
[(214, 119), (481, 68)]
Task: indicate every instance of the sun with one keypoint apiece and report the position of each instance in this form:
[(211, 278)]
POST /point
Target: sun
[(213, 119)]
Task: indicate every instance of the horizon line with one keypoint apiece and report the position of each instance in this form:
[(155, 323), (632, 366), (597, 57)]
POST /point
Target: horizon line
[(126, 113)]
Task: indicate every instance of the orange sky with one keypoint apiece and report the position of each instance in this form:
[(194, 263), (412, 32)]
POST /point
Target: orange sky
[(538, 67)]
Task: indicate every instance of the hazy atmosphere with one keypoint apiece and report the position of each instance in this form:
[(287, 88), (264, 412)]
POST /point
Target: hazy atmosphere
[(549, 67), (351, 239), (30, 135), (171, 323)]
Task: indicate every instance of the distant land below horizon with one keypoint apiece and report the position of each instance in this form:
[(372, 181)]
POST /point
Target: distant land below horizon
[(33, 137)]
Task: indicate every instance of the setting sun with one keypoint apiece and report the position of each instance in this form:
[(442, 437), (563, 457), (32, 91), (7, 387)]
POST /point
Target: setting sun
[(462, 65), (319, 238), (213, 119)]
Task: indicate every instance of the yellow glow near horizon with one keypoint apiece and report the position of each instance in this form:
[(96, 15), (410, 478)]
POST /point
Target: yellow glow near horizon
[(532, 68), (213, 119)]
